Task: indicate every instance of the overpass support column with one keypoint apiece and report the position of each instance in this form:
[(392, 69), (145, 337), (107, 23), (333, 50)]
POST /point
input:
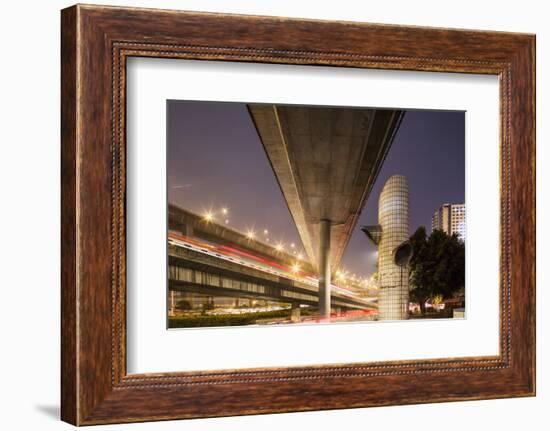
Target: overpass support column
[(171, 311), (324, 269), (295, 312)]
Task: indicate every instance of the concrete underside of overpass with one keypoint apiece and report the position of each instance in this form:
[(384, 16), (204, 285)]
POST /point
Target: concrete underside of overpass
[(189, 271), (326, 160)]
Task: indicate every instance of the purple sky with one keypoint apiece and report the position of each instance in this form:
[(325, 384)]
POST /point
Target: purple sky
[(216, 160)]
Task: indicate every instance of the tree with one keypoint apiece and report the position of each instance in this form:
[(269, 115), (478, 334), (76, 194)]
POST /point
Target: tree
[(437, 266)]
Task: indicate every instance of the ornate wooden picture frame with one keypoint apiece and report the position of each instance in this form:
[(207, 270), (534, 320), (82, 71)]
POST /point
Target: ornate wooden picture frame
[(96, 41)]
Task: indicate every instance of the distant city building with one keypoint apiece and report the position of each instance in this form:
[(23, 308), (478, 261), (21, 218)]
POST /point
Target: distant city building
[(451, 218)]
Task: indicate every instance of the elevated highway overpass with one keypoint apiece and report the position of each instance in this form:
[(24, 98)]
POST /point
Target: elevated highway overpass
[(326, 160), (210, 259)]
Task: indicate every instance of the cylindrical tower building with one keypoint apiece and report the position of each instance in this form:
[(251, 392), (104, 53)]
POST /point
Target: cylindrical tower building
[(393, 217)]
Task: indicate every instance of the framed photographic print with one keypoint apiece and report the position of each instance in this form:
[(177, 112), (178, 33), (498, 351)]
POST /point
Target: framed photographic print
[(268, 215)]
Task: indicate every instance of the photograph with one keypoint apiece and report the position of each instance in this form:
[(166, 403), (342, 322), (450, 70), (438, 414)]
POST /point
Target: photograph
[(299, 214)]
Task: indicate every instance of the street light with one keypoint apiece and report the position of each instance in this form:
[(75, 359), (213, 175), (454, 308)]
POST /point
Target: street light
[(402, 254), (208, 216)]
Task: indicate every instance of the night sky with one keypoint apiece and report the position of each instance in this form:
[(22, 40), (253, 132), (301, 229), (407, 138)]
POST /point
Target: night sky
[(216, 160)]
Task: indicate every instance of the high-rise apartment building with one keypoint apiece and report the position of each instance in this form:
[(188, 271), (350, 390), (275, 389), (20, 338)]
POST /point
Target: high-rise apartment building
[(451, 218)]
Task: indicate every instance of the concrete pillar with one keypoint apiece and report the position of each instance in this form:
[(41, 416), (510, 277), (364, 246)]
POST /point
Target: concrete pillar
[(393, 216), (324, 269), (187, 230), (172, 305), (295, 312)]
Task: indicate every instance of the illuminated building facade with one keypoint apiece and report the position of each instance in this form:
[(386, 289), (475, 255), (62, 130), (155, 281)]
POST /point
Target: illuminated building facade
[(391, 232), (451, 218)]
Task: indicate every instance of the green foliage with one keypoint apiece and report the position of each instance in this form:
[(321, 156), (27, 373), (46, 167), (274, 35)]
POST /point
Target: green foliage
[(224, 319), (447, 313), (437, 267)]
